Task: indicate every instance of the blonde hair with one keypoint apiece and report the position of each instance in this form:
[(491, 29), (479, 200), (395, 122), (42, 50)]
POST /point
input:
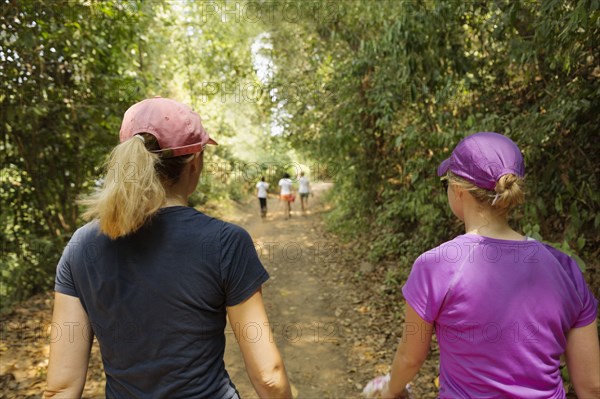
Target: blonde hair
[(133, 188), (506, 195)]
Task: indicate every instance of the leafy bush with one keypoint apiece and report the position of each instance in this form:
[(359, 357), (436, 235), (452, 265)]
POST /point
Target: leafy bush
[(400, 83)]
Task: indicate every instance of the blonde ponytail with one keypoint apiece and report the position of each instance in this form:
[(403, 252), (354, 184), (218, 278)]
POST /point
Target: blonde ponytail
[(131, 193), (508, 193)]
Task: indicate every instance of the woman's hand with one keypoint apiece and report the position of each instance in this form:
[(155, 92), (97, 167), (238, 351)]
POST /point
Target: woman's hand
[(376, 387), (379, 388)]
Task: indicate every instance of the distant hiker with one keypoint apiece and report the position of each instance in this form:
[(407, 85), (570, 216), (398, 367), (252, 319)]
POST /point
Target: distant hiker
[(504, 307), (286, 194), (304, 191), (261, 188), (155, 280)]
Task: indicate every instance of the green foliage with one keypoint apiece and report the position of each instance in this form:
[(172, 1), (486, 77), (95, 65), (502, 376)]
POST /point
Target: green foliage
[(398, 84), (68, 72), (375, 92), (63, 74)]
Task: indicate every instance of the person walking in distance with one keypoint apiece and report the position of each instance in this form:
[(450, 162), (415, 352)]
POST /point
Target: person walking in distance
[(155, 280), (286, 194), (304, 191), (504, 307), (261, 187)]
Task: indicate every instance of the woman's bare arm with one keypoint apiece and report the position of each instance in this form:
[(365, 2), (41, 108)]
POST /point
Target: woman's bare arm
[(71, 341), (411, 353), (583, 360), (264, 365)]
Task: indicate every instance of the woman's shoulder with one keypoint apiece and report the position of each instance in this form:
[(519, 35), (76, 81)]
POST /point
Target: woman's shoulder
[(568, 262), (449, 252), (208, 225), (89, 230), (229, 229)]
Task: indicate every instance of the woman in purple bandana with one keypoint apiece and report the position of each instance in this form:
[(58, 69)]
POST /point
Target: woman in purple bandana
[(504, 307)]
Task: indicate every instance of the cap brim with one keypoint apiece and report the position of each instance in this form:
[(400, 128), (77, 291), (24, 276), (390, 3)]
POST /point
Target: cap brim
[(211, 141), (443, 168)]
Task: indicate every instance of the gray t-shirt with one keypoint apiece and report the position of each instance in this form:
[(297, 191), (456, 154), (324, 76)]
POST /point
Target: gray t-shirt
[(156, 301)]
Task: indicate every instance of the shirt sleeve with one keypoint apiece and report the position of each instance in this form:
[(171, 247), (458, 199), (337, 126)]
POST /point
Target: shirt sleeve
[(63, 282), (242, 273), (589, 308), (589, 304), (427, 285)]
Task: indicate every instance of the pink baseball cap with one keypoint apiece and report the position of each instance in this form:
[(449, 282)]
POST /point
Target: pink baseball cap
[(483, 158), (176, 126)]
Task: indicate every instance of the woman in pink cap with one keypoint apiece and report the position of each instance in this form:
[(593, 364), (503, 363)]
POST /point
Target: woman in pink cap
[(154, 279), (504, 307)]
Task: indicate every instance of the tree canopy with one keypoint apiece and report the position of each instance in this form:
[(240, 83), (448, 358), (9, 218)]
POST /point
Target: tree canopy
[(376, 93), (397, 84)]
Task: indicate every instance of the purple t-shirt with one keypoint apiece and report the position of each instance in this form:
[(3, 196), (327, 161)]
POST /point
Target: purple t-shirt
[(502, 310)]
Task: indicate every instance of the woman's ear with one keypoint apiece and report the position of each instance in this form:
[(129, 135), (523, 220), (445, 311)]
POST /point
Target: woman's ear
[(201, 161), (465, 196), (458, 191), (196, 163)]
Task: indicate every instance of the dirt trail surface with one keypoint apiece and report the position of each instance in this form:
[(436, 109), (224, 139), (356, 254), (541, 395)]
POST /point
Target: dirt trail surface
[(298, 298), (313, 314)]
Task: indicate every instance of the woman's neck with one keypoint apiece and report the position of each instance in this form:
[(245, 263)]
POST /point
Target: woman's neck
[(486, 223), (177, 194), (173, 203), (174, 199)]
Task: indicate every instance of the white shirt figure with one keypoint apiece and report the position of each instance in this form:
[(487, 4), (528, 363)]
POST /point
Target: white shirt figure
[(286, 186), (304, 185), (262, 189)]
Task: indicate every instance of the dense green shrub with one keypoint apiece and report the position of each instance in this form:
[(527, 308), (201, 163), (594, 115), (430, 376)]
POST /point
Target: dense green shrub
[(68, 72), (400, 83)]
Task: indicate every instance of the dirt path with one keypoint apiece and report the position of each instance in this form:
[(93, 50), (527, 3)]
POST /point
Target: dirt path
[(298, 299), (302, 304)]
